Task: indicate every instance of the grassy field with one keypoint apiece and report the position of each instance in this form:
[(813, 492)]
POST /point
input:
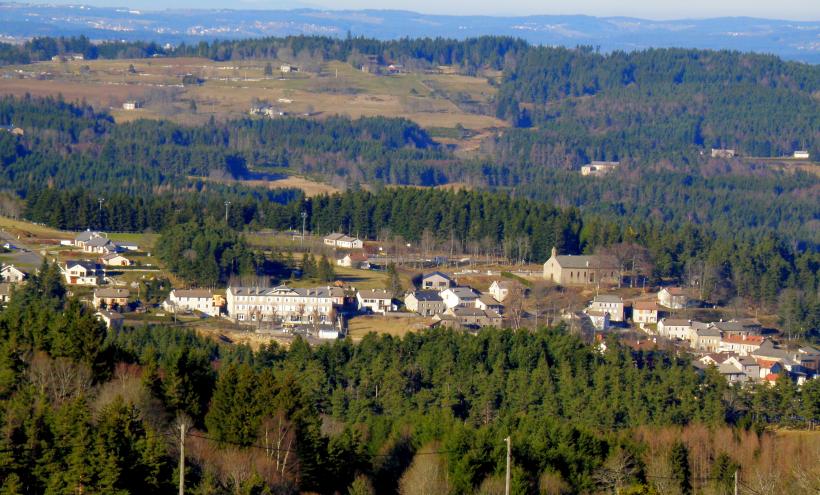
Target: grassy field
[(28, 229), (360, 326), (309, 187), (230, 87)]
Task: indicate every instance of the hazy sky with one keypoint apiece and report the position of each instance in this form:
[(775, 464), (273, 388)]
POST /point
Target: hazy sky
[(806, 10)]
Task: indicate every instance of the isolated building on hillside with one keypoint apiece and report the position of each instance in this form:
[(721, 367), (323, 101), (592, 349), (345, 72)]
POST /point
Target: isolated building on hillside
[(436, 281), (801, 155), (375, 301), (611, 304), (12, 274), (111, 297), (343, 241), (673, 298), (201, 300), (598, 168), (581, 270), (723, 153), (425, 302)]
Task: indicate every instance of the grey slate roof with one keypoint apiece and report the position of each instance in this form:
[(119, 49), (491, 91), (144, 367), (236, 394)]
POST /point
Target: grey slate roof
[(586, 261)]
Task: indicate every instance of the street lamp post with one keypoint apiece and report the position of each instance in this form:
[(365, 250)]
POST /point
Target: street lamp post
[(227, 204)]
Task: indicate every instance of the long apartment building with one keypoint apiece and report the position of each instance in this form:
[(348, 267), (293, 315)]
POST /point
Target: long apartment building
[(283, 303)]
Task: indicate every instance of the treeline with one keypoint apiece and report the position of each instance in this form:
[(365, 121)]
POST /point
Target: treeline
[(81, 407), (471, 55), (650, 103), (72, 146)]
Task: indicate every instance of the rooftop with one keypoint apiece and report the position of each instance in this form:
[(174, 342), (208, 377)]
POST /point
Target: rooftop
[(427, 295), (608, 298), (111, 292), (586, 261), (194, 293)]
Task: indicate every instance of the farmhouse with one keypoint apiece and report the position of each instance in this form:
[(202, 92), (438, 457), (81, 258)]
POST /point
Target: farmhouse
[(801, 155), (580, 270), (110, 297), (201, 300), (131, 105)]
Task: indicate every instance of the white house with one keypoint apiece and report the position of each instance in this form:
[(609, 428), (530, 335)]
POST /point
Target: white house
[(201, 300), (131, 105), (12, 274), (599, 319), (5, 292), (111, 297), (599, 168), (459, 296), (112, 319), (801, 154), (343, 241), (375, 301), (354, 260), (81, 273), (644, 312), (500, 289), (347, 242), (673, 328), (488, 302), (99, 245), (609, 303)]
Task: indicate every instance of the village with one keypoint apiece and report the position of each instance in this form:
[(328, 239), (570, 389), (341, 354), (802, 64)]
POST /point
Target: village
[(586, 292)]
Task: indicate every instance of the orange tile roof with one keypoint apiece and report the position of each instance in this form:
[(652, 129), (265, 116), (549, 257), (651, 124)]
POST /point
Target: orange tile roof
[(772, 377), (645, 305), (765, 363), (739, 339)]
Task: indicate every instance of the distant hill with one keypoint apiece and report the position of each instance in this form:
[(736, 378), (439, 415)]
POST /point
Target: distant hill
[(791, 40)]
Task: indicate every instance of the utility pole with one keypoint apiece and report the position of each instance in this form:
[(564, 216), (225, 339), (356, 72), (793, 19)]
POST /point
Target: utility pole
[(182, 427), (304, 217), (507, 477), (736, 481), (100, 202), (227, 204)]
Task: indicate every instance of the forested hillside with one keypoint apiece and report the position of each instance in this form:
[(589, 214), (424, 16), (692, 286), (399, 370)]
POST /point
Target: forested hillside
[(84, 411)]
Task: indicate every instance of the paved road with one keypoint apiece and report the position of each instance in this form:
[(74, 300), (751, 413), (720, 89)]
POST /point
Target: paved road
[(23, 254)]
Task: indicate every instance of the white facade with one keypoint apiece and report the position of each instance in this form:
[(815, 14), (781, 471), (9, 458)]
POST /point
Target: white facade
[(801, 154), (606, 303), (201, 300), (458, 296), (375, 301), (12, 274), (672, 298), (284, 304), (81, 273)]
